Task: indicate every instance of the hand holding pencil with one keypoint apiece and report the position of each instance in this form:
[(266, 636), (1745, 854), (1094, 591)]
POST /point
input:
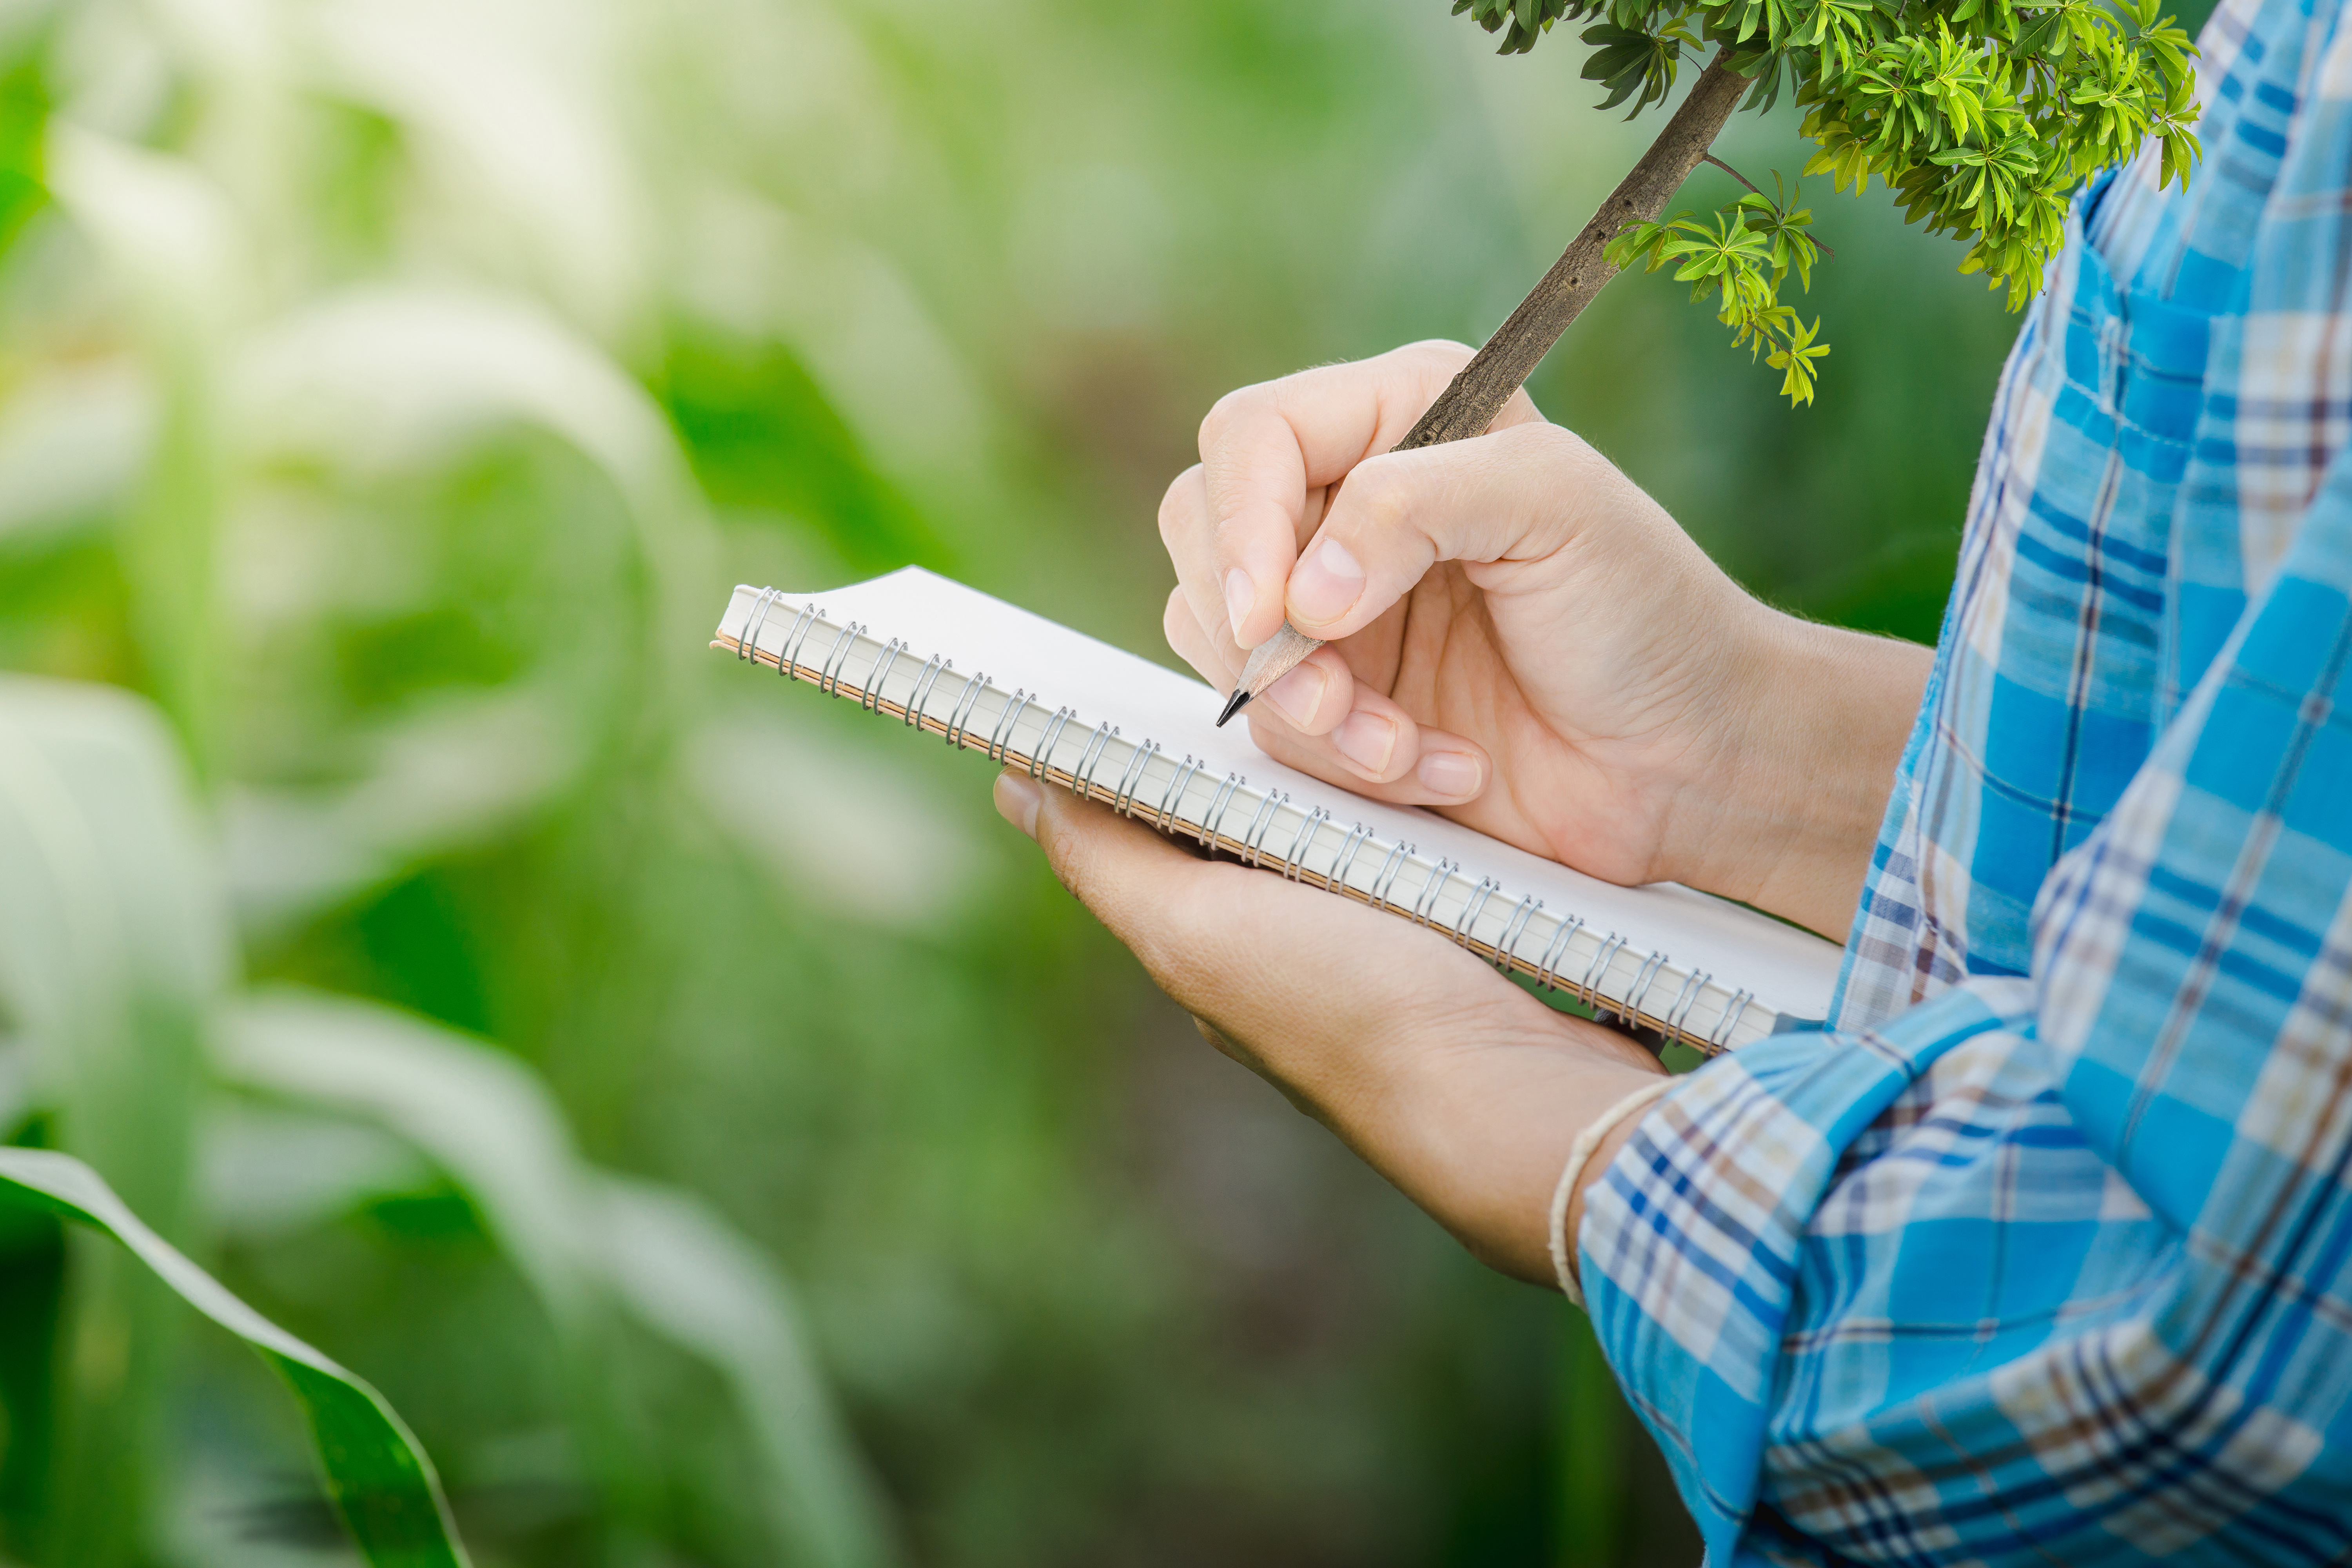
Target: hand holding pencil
[(1517, 636)]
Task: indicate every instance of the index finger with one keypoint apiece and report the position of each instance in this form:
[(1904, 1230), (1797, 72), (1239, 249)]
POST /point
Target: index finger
[(1268, 449)]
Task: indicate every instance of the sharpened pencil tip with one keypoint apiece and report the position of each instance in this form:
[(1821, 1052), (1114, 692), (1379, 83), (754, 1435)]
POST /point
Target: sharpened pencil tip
[(1239, 701)]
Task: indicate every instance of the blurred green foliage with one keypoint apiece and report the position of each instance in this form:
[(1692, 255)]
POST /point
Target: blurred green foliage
[(390, 390)]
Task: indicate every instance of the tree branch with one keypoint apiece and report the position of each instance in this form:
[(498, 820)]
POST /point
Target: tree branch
[(1469, 405), (1711, 158)]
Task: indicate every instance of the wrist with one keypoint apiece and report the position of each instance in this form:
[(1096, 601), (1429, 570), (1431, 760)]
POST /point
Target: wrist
[(1811, 726), (1482, 1135)]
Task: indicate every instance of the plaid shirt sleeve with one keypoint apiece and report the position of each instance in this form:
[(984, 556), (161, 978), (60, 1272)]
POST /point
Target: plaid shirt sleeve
[(2039, 1256)]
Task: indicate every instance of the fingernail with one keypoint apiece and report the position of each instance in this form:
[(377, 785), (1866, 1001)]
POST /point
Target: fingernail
[(1297, 695), (1017, 800), (1326, 583), (1366, 740), (1451, 774), (1239, 595)]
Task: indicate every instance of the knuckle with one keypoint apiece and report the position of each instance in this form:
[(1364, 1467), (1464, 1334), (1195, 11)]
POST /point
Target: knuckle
[(1175, 503), (1435, 358), (1229, 412), (1377, 495), (1566, 453), (1556, 442), (1176, 621)]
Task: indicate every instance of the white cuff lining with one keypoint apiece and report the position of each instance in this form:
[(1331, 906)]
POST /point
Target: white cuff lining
[(1579, 1154)]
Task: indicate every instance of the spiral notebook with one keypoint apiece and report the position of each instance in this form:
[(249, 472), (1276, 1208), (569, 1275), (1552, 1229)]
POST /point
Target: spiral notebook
[(986, 676)]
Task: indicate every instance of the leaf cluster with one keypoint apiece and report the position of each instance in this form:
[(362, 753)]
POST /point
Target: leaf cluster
[(1982, 116), (1741, 256)]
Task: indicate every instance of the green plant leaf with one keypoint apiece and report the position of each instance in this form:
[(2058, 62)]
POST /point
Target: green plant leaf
[(378, 1477), (113, 950), (586, 1242)]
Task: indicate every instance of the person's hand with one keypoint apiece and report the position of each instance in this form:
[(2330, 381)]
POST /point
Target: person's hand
[(1522, 639), (1456, 1085)]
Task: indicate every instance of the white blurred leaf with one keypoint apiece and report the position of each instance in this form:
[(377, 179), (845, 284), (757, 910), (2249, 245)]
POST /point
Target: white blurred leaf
[(833, 822), (160, 222), (113, 944), (852, 316), (379, 381), (501, 104), (685, 1272), (457, 772), (385, 379), (264, 1171), (73, 442), (478, 1113)]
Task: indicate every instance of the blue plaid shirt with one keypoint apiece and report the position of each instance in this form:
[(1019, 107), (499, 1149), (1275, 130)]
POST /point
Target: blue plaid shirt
[(2039, 1255)]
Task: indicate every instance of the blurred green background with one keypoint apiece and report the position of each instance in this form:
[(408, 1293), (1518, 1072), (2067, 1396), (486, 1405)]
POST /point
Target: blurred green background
[(679, 1097)]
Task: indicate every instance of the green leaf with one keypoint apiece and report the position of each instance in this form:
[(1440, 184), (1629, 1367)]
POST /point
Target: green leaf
[(586, 1243), (378, 1475), (1634, 64), (1797, 360), (24, 112), (113, 951)]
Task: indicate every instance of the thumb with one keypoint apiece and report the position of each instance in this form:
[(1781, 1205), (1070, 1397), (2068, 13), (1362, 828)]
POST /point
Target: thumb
[(1516, 494), (1135, 881)]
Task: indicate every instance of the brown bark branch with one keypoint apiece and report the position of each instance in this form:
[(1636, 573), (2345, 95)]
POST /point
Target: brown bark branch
[(1711, 158), (1469, 405)]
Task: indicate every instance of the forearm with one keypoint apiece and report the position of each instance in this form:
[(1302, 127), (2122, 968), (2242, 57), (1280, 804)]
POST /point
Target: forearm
[(1814, 721)]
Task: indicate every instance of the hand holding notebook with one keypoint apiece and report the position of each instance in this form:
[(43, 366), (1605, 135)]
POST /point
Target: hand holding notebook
[(1459, 1088)]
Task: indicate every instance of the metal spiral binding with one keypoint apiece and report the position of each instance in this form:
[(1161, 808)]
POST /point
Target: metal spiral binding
[(961, 714), (1733, 1011), (1639, 992), (1082, 777), (1044, 757), (1595, 973), (1357, 838), (1678, 1010), (1254, 836), (833, 670), (1506, 950), (1172, 799), (1397, 856), (882, 666), (837, 660), (1302, 840), (1424, 903), (1002, 735), (1467, 921), (788, 660), (922, 694), (748, 645), (1131, 779), (1212, 821), (1547, 969)]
